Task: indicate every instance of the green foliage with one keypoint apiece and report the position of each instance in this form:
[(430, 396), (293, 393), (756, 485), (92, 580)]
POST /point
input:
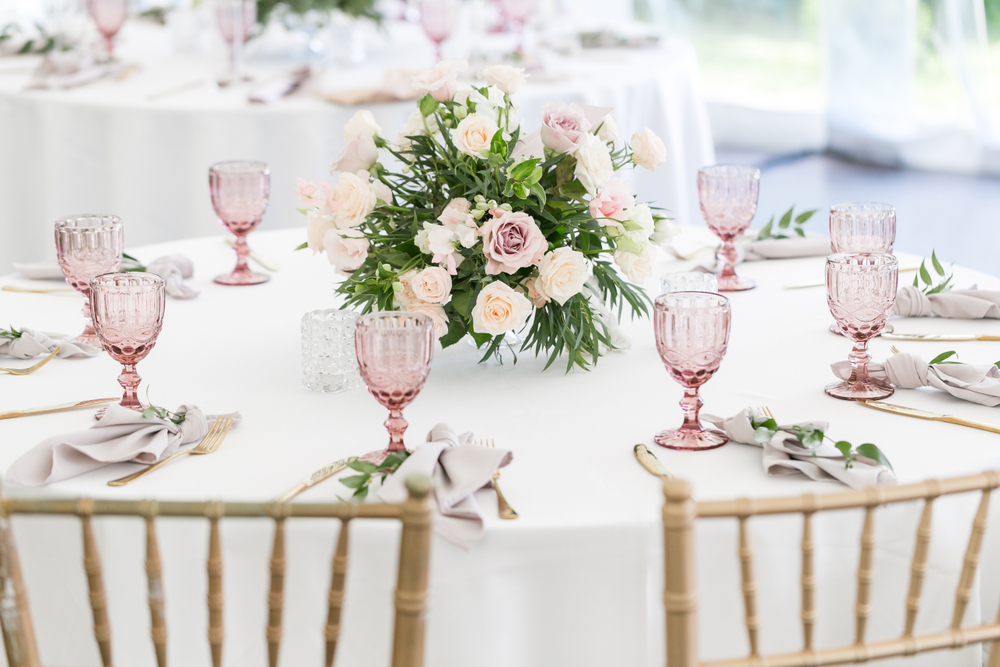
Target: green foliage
[(811, 437), (924, 276), (42, 44), (11, 332), (785, 225), (368, 471), (354, 8)]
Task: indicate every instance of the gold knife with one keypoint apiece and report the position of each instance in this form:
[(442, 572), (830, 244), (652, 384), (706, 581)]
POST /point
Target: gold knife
[(47, 290), (56, 408), (937, 337), (650, 462), (315, 478), (933, 416)]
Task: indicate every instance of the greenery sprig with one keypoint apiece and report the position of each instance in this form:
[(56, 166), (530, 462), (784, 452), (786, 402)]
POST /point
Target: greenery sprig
[(352, 8), (44, 43), (785, 223), (924, 276), (941, 359), (361, 482), (161, 413), (138, 266), (11, 333), (811, 437)]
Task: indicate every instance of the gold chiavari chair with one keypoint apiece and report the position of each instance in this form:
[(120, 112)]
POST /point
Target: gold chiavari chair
[(680, 596), (411, 584)]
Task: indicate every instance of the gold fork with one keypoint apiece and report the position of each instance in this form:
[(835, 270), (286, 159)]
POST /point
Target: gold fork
[(208, 444), (31, 369), (894, 350), (504, 509), (766, 411)]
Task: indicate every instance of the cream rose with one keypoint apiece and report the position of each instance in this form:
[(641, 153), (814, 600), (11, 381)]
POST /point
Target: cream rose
[(432, 285), (663, 231), (317, 225), (403, 290), (561, 274), (499, 308), (456, 212), (360, 153), (506, 78), (648, 150), (362, 122), (474, 134), (640, 219), (434, 311), (353, 199), (607, 130), (636, 267), (347, 249), (531, 289), (593, 164), (441, 80)]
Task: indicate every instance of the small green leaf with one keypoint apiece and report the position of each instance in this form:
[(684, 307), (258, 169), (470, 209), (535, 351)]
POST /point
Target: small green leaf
[(522, 170), (870, 451), (498, 146), (354, 481), (766, 231), (302, 246), (937, 265), (786, 219), (800, 232), (941, 357), (763, 434), (845, 449), (925, 275), (361, 493), (916, 281), (520, 191), (428, 105), (802, 217), (363, 466)]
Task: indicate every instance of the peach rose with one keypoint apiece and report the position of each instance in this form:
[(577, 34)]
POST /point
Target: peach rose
[(512, 241), (474, 134), (347, 249), (456, 212), (403, 290), (648, 150), (508, 79), (434, 311), (531, 289), (499, 308), (353, 199), (360, 153), (564, 127), (441, 80), (612, 202), (561, 274), (432, 285)]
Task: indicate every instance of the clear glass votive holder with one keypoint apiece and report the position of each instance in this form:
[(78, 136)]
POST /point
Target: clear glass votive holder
[(329, 363), (688, 281)]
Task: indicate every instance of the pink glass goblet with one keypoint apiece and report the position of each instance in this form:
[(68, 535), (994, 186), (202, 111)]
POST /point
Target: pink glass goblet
[(87, 246), (728, 198), (240, 191), (394, 352), (692, 333), (516, 14), (438, 18), (128, 316), (234, 31), (109, 15), (863, 227), (861, 291)]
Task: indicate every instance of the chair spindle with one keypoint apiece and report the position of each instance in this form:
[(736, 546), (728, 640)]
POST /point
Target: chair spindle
[(215, 632), (336, 597), (865, 575), (808, 583), (749, 587), (679, 596), (154, 579), (411, 582), (919, 567), (971, 561), (95, 582), (15, 617), (275, 597)]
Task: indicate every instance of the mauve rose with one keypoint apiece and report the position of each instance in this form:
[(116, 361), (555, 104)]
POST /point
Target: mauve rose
[(511, 242), (612, 202), (564, 128)]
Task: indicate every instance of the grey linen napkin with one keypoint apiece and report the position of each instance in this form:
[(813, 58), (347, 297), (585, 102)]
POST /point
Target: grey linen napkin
[(174, 269), (120, 435), (749, 249), (70, 69), (966, 304), (459, 469), (978, 383), (33, 343), (783, 455)]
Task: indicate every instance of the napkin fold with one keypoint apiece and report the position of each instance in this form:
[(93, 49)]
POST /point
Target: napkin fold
[(396, 86), (784, 455), (70, 69), (978, 383), (966, 304), (119, 435), (174, 269), (32, 343), (459, 469), (277, 87), (796, 246)]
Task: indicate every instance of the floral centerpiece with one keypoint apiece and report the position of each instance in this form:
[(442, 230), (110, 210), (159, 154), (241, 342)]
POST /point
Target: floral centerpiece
[(486, 229)]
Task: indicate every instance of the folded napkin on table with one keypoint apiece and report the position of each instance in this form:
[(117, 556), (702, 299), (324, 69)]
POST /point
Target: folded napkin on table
[(396, 86), (69, 69), (33, 343), (174, 269), (273, 89), (966, 304), (784, 455), (459, 469), (749, 249), (120, 435), (979, 383)]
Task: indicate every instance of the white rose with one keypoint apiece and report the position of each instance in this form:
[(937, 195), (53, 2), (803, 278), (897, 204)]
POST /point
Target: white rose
[(415, 126), (474, 133), (648, 150), (561, 274), (608, 130), (593, 164), (640, 219), (432, 285), (441, 80), (434, 311), (360, 153), (636, 267), (663, 231), (347, 249), (317, 225), (382, 191), (499, 309), (508, 79), (354, 199), (362, 122), (634, 242)]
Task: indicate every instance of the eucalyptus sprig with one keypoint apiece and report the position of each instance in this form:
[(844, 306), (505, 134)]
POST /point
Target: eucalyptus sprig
[(941, 359), (162, 413), (11, 333), (361, 482), (135, 266), (785, 223), (924, 276), (42, 44), (811, 437)]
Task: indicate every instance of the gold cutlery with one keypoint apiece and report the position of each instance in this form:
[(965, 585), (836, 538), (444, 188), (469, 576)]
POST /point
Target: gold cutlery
[(315, 478), (504, 509), (56, 408), (933, 416), (650, 462), (31, 369), (953, 338), (821, 283), (265, 262), (47, 290), (208, 444)]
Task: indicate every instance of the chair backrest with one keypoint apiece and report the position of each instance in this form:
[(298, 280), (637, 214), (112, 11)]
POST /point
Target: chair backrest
[(680, 595), (411, 584)]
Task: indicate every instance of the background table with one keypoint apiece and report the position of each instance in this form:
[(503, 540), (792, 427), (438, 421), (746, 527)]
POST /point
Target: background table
[(576, 580), (107, 148)]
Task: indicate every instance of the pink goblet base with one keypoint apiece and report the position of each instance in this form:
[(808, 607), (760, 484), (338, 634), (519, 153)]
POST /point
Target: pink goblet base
[(857, 390), (690, 440)]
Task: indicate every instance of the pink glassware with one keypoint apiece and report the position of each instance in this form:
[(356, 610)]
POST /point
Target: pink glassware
[(128, 316), (109, 15), (240, 191), (728, 198), (394, 352), (516, 13), (861, 291), (692, 333), (438, 18), (227, 13), (87, 246), (862, 227)]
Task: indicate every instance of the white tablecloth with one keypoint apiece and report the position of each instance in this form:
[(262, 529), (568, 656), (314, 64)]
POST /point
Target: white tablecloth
[(576, 580), (106, 148)]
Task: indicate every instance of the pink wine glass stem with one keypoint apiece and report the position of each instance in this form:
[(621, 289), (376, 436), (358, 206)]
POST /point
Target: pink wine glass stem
[(396, 426), (727, 259), (690, 406), (129, 380), (242, 252), (859, 358)]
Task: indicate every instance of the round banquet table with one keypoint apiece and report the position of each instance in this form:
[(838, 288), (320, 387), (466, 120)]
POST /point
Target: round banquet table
[(107, 147), (576, 580)]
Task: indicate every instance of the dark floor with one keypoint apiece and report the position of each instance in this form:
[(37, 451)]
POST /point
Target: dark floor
[(958, 216)]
